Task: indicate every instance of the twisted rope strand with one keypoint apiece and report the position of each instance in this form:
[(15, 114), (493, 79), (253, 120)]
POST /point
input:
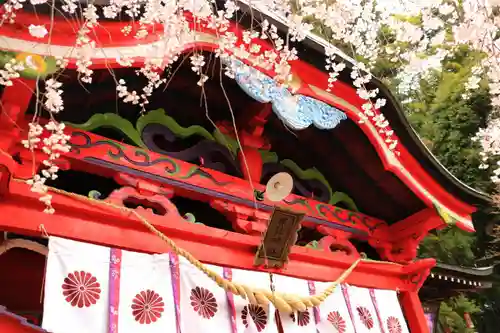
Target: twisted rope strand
[(285, 303)]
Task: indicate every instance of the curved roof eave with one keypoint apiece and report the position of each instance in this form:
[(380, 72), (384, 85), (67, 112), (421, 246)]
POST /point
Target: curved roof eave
[(473, 271), (393, 112)]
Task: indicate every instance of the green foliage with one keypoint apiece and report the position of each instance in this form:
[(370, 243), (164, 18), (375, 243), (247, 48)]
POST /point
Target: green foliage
[(450, 245), (451, 313), (487, 318), (447, 122)]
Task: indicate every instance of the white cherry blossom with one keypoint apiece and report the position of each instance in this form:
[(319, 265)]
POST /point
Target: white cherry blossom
[(38, 31), (443, 26)]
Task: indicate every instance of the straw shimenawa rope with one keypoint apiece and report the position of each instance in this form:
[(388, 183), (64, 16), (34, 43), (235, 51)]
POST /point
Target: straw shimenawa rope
[(285, 303)]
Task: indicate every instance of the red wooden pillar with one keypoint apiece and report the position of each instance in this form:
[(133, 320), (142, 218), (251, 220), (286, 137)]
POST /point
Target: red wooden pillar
[(20, 94), (15, 101), (252, 139), (414, 312), (468, 320), (250, 163)]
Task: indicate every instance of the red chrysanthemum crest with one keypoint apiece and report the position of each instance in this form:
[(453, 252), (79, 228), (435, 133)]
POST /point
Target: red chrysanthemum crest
[(203, 302), (393, 325), (365, 316), (303, 318), (147, 307), (337, 321), (255, 313), (81, 289)]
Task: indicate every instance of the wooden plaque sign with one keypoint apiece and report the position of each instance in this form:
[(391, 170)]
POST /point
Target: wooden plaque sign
[(280, 235)]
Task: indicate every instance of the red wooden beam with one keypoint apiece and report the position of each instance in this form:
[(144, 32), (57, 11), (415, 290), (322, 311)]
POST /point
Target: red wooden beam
[(100, 155), (76, 219), (419, 223)]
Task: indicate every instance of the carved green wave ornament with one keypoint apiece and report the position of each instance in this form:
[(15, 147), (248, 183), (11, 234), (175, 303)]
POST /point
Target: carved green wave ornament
[(313, 245), (35, 66), (189, 217), (314, 174), (232, 145), (158, 116), (113, 121), (93, 194)]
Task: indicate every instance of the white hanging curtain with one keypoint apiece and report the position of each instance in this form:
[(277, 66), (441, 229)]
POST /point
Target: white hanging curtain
[(76, 287), (95, 289), (363, 312), (333, 314)]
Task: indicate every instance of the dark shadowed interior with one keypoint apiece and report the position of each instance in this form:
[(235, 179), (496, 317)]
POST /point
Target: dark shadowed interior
[(343, 155)]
